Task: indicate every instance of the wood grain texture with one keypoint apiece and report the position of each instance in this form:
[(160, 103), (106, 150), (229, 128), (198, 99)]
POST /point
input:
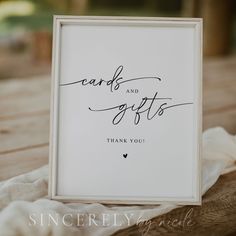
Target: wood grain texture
[(25, 103), (23, 132), (24, 125), (23, 160), (216, 216), (24, 97)]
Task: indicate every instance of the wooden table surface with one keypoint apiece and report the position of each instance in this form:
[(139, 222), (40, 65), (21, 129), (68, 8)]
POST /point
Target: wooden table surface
[(215, 217), (24, 139), (25, 104)]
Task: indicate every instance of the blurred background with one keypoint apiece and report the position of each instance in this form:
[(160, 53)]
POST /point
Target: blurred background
[(25, 64), (26, 26)]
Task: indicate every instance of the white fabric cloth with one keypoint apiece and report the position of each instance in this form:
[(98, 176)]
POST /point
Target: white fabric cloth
[(23, 199)]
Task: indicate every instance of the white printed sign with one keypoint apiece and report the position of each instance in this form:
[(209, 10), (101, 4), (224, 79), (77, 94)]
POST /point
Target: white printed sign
[(126, 110)]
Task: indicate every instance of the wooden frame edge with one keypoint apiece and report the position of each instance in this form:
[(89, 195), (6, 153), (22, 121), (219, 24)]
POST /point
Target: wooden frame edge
[(57, 23)]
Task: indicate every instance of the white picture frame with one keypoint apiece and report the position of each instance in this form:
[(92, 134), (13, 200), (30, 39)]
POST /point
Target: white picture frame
[(169, 161)]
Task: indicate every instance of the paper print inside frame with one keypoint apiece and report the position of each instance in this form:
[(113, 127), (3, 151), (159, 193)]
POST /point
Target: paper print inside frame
[(126, 110)]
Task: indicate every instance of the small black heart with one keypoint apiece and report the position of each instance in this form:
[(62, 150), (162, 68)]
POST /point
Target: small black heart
[(125, 155)]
